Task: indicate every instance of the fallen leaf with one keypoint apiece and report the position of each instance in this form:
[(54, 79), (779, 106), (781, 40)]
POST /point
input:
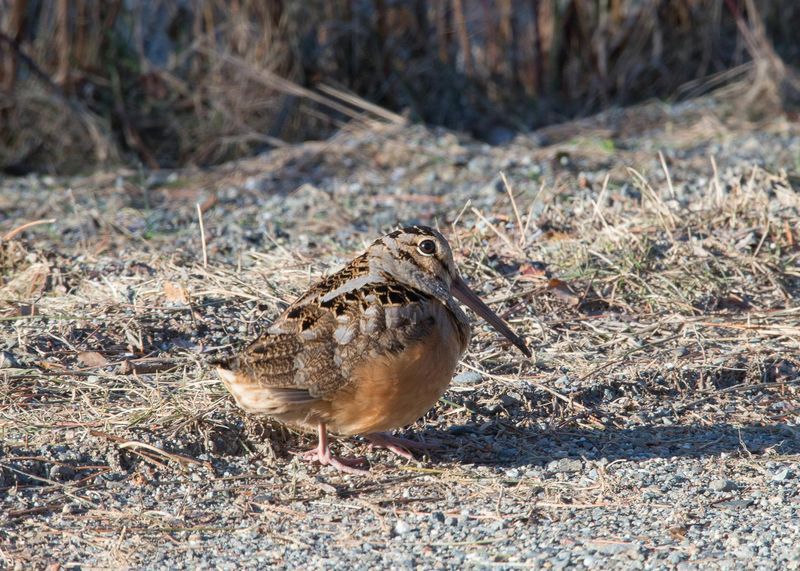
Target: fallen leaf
[(145, 366), (92, 359), (50, 366), (563, 291), (678, 532), (175, 293), (556, 235), (533, 270)]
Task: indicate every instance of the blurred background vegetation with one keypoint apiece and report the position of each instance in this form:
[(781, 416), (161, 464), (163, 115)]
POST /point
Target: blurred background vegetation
[(163, 84)]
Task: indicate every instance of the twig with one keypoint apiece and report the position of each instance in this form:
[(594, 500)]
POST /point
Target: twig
[(10, 234), (202, 235), (715, 182), (499, 234), (357, 101), (274, 81), (546, 389), (761, 242), (608, 364), (514, 206), (666, 173), (135, 445)]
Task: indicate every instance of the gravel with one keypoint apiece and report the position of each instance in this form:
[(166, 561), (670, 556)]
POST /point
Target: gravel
[(722, 486), (631, 441)]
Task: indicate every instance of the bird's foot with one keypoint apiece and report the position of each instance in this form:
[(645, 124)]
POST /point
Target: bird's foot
[(322, 453), (346, 465), (400, 446)]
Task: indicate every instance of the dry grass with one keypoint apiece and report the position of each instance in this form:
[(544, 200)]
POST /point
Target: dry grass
[(667, 314), (650, 294), (88, 82)]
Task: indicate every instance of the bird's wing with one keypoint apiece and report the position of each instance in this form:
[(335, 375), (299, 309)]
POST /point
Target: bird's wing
[(313, 347)]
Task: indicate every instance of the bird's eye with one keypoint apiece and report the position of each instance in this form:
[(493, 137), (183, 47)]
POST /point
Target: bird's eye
[(427, 247)]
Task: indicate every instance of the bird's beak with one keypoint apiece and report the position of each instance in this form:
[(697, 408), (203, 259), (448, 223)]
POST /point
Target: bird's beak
[(468, 298)]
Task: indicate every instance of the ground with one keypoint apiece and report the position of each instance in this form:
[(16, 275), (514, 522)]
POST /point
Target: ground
[(649, 256)]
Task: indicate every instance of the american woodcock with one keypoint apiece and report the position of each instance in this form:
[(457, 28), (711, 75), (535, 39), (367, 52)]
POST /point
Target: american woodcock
[(368, 349)]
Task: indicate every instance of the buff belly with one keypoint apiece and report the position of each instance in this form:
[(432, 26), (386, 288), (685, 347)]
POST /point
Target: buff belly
[(386, 391), (392, 391)]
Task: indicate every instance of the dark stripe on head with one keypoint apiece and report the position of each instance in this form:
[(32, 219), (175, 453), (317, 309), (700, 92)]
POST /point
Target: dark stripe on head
[(403, 255), (419, 230)]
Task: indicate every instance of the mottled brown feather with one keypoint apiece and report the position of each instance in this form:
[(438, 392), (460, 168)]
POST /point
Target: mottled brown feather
[(368, 348)]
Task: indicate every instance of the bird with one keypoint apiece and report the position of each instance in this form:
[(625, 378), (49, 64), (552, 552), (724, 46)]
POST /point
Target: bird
[(368, 349)]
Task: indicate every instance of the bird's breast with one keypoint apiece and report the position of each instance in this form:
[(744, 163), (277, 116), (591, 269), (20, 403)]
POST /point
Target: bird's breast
[(394, 389)]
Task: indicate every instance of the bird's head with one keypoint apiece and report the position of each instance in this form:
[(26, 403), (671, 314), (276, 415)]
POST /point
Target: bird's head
[(420, 257)]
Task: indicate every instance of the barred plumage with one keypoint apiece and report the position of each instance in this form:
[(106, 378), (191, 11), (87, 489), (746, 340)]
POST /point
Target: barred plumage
[(367, 349)]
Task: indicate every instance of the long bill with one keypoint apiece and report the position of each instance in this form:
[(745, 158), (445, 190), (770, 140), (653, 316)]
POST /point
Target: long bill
[(466, 296)]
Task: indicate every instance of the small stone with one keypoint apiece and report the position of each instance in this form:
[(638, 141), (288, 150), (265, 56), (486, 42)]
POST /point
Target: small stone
[(745, 552), (401, 527), (7, 360), (676, 557), (735, 504), (70, 508), (611, 548), (497, 525), (565, 465), (508, 401), (781, 475), (62, 472), (256, 184), (468, 378), (722, 486)]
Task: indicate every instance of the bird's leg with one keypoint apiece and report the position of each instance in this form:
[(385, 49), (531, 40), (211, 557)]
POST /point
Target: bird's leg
[(322, 453), (400, 446)]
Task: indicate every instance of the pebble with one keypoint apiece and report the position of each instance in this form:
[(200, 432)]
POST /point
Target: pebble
[(782, 475), (676, 557), (70, 508), (7, 360), (468, 378), (562, 382), (62, 472), (722, 486), (565, 465), (735, 504)]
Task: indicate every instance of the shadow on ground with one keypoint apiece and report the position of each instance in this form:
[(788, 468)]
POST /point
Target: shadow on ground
[(493, 443), (505, 445)]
